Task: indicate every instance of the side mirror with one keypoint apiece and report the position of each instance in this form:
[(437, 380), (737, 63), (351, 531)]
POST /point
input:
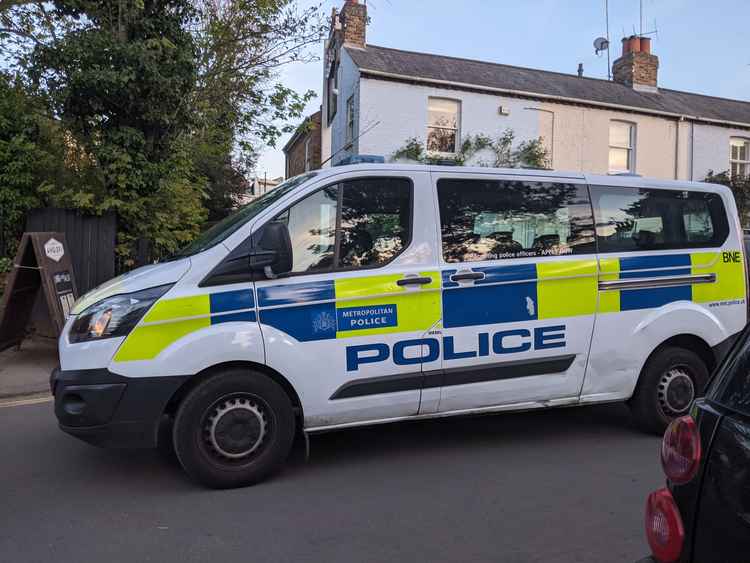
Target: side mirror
[(273, 252)]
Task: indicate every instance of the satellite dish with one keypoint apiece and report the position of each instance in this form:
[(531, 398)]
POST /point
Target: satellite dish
[(601, 44)]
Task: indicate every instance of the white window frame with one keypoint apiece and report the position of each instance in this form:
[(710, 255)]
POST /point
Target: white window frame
[(631, 149), (743, 163), (350, 119), (457, 129), (307, 153)]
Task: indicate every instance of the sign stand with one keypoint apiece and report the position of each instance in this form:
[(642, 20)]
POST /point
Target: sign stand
[(42, 263)]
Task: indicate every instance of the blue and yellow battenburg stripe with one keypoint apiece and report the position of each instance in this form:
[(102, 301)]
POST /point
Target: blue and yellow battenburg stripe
[(729, 284), (171, 319), (373, 305), (331, 309), (522, 292)]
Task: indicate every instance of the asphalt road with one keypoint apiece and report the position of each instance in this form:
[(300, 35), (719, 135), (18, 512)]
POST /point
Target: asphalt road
[(564, 485)]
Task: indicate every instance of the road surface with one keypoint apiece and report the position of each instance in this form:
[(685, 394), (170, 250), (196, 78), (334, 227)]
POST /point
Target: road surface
[(563, 485)]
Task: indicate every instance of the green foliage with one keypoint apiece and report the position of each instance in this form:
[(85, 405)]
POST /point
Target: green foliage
[(740, 186), (31, 156), (5, 264), (154, 109), (481, 150)]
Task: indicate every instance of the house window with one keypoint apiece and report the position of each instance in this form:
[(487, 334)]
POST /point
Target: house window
[(621, 147), (308, 154), (443, 125), (333, 91), (350, 120), (739, 157)]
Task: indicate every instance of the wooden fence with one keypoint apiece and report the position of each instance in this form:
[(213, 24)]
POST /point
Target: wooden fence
[(90, 240)]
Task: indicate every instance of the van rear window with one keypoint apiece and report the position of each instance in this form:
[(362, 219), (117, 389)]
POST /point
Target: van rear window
[(633, 219)]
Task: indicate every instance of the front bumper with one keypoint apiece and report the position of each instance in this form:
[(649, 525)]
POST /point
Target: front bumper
[(109, 410)]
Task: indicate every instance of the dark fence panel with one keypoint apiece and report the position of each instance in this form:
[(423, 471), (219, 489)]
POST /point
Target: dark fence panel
[(91, 241)]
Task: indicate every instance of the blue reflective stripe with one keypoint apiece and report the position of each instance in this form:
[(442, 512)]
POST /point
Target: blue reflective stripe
[(655, 262), (512, 273), (633, 299), (243, 317), (474, 306), (495, 274), (296, 293), (447, 278), (232, 301), (305, 323)]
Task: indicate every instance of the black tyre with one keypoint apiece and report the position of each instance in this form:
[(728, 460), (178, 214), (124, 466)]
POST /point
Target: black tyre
[(671, 379), (234, 429)]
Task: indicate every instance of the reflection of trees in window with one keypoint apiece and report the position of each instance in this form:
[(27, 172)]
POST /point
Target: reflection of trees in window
[(647, 219), (490, 220), (312, 228), (375, 217), (441, 135)]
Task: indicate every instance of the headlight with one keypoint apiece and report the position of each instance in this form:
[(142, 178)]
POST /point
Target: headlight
[(114, 316)]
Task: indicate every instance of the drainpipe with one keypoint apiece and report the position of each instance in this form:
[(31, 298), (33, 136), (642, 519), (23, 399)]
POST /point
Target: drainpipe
[(692, 150), (677, 150)]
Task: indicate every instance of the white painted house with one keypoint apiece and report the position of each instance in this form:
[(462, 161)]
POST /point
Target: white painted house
[(375, 98)]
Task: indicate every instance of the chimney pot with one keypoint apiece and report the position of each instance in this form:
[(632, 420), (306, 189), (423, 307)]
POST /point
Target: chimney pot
[(637, 67)]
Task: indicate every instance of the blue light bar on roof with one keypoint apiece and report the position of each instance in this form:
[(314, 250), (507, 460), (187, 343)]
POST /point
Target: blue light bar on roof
[(361, 159)]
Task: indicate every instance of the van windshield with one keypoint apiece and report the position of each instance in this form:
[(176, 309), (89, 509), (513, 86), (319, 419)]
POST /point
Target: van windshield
[(227, 226)]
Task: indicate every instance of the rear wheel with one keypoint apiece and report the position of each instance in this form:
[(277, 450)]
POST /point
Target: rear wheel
[(234, 429), (671, 379)]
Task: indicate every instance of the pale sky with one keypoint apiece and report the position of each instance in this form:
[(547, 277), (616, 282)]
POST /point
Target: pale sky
[(702, 46)]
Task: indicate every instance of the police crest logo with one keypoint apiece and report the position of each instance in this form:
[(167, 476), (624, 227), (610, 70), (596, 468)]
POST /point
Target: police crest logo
[(324, 322)]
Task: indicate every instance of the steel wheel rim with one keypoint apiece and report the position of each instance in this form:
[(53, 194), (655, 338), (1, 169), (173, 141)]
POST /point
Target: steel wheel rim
[(235, 429), (676, 391)]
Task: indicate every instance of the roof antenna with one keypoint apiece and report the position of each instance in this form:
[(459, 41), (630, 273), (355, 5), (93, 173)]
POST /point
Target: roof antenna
[(602, 43)]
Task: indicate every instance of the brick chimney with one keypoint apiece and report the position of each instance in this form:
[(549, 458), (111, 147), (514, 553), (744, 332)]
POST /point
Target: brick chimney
[(637, 67), (354, 23)]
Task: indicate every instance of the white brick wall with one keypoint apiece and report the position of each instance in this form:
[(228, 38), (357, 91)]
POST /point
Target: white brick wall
[(402, 112), (577, 136)]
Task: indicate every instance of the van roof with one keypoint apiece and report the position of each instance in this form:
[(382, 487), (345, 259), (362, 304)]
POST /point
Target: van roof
[(594, 179)]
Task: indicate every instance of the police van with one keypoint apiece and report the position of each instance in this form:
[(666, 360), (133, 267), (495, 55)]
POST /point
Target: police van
[(377, 293)]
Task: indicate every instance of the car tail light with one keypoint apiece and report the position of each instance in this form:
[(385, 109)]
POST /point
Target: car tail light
[(681, 450), (664, 529)]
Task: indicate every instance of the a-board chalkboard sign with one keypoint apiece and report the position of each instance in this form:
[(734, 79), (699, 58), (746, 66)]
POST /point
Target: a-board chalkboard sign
[(42, 264)]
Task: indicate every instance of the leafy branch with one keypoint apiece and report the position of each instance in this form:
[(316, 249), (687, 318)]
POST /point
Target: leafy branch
[(481, 150)]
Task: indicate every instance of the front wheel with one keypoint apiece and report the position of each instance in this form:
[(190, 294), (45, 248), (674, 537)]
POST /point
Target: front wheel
[(671, 379), (234, 429)]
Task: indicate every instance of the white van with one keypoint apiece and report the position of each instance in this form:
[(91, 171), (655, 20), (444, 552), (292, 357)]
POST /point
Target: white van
[(377, 293)]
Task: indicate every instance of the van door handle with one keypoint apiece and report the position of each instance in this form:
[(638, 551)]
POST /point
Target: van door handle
[(464, 276), (416, 280)]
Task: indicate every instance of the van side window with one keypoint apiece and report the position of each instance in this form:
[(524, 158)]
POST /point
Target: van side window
[(632, 219), (360, 223), (312, 228), (375, 221), (495, 220)]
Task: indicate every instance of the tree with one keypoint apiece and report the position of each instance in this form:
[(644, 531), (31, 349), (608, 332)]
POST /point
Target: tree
[(740, 186), (31, 158), (162, 105), (240, 104)]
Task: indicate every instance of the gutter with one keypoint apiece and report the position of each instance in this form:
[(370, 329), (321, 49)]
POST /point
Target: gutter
[(551, 97)]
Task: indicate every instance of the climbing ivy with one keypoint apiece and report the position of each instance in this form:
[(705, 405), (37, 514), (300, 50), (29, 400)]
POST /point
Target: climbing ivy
[(481, 150)]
